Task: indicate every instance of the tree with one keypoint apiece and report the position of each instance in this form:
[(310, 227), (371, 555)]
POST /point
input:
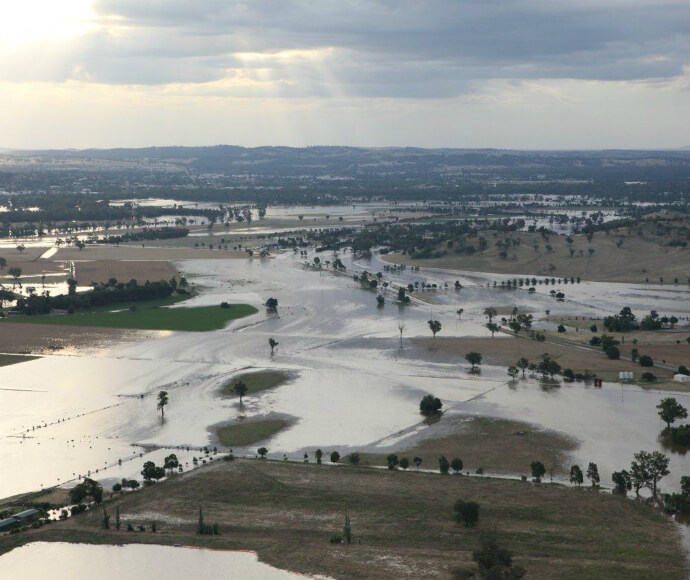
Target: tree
[(171, 462), (492, 327), (262, 452), (392, 461), (456, 465), (670, 410), (443, 465), (335, 457), (272, 304), (474, 358), (593, 474), (16, 274), (538, 470), (435, 326), (513, 372), (401, 329), (152, 471), (319, 454), (466, 512), (647, 469), (272, 343), (613, 353), (430, 405), (490, 312), (621, 481), (646, 361), (576, 475), (347, 530), (459, 311), (240, 389), (417, 461), (522, 364), (353, 458), (162, 402), (404, 463)]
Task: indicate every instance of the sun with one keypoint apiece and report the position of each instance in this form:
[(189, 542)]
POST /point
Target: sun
[(34, 21)]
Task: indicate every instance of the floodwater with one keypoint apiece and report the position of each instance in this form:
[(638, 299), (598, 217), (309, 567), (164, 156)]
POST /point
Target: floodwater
[(352, 384), (68, 561)]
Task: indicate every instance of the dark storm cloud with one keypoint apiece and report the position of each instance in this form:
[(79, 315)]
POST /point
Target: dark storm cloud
[(396, 48)]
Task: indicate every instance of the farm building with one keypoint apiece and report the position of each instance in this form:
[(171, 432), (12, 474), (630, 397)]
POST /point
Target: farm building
[(681, 378)]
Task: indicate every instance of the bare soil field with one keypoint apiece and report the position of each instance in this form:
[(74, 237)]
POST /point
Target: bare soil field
[(153, 252), (495, 445), (123, 270), (48, 338), (402, 523), (505, 351), (635, 260)]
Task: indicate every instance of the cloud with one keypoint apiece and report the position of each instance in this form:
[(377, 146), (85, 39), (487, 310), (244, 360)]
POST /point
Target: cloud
[(366, 48)]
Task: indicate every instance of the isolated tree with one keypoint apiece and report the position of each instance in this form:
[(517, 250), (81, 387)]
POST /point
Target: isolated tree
[(492, 327), (576, 475), (670, 410), (646, 361), (16, 273), (513, 372), (417, 461), (466, 512), (474, 358), (523, 365), (593, 474), (459, 312), (401, 330), (272, 304), (262, 452), (404, 463), (240, 389), (335, 457), (490, 312), (347, 530), (456, 465), (392, 461), (430, 405), (273, 344), (538, 470), (434, 326), (162, 402), (443, 465)]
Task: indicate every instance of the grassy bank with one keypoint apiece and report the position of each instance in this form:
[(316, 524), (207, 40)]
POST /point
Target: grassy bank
[(256, 382), (246, 433), (402, 522), (200, 318), (11, 359)]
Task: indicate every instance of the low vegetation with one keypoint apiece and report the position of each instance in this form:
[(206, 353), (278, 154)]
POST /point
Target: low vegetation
[(249, 432)]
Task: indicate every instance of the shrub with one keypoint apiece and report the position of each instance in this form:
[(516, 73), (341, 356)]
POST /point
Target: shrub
[(646, 361), (649, 377), (613, 353), (466, 512), (224, 305)]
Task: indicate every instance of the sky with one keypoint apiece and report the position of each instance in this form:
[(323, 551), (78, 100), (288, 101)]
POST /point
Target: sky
[(522, 74)]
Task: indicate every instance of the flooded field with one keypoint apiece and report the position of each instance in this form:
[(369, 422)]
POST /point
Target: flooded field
[(69, 561), (352, 385)]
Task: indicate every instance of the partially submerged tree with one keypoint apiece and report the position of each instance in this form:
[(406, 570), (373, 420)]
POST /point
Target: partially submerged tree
[(430, 405), (240, 389), (162, 402), (474, 358), (670, 410), (273, 344), (434, 326)]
